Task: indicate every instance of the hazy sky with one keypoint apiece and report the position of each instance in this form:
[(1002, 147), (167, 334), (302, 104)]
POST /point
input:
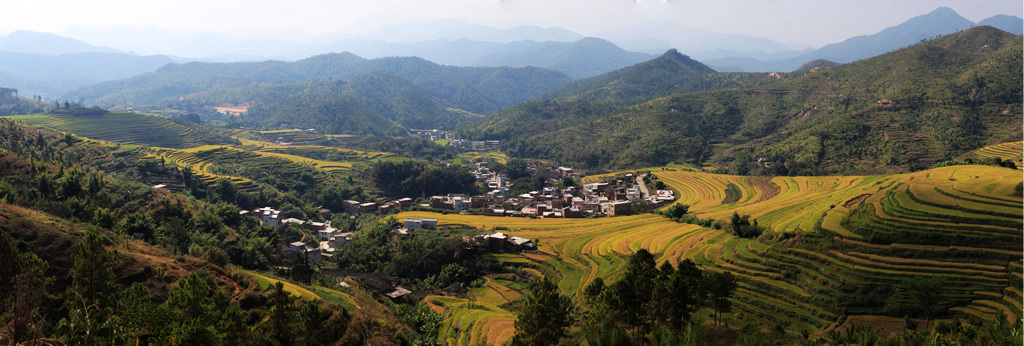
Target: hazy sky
[(811, 22)]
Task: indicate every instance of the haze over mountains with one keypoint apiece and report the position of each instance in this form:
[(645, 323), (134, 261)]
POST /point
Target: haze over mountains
[(41, 57)]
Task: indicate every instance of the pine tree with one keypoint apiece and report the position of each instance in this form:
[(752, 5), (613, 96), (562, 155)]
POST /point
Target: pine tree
[(92, 277), (545, 316)]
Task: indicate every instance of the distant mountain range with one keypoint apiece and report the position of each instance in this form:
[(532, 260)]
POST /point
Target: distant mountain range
[(22, 41), (55, 65), (940, 22), (54, 75), (582, 58)]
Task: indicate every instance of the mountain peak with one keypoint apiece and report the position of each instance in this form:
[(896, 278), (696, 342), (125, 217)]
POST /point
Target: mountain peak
[(943, 11), (674, 56)]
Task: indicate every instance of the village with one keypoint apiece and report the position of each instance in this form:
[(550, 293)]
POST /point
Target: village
[(613, 196)]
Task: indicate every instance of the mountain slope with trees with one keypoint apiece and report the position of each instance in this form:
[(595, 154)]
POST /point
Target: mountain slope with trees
[(379, 103), (900, 111), (481, 90)]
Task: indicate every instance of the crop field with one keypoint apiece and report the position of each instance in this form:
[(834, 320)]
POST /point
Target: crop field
[(473, 156), (837, 247), (125, 128)]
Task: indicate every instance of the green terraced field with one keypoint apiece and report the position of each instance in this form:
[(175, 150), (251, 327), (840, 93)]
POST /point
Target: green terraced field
[(873, 232)]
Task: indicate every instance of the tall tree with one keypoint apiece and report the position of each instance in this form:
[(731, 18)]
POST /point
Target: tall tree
[(282, 315), (29, 291), (635, 292), (545, 316), (92, 276), (925, 291), (720, 287)]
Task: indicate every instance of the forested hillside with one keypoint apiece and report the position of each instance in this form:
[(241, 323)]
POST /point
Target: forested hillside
[(672, 73), (371, 104), (475, 89), (78, 219), (900, 111)]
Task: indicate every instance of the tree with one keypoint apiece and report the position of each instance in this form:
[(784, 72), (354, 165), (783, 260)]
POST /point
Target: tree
[(9, 263), (28, 296), (517, 168), (302, 270), (92, 276), (282, 314), (195, 301), (677, 211), (635, 291), (720, 287), (925, 291), (545, 316)]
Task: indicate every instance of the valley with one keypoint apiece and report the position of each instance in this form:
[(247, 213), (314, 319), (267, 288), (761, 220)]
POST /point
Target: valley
[(555, 192)]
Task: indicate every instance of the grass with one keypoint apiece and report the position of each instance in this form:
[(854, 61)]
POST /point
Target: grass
[(264, 282)]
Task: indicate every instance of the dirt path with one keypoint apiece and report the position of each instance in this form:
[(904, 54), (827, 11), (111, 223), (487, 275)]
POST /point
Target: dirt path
[(855, 200), (643, 186)]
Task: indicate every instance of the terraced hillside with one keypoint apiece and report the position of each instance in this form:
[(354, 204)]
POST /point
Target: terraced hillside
[(212, 162), (204, 150), (128, 128), (840, 246), (1007, 151)]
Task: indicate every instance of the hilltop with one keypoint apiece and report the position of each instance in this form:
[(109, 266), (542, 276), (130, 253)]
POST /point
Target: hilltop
[(671, 73)]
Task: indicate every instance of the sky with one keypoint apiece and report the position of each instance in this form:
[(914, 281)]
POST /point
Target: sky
[(808, 22)]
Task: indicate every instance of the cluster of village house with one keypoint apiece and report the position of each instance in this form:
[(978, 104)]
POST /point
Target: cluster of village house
[(331, 238), (593, 199), (458, 144)]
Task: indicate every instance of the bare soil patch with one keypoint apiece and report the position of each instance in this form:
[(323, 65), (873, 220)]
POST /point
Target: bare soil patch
[(855, 200)]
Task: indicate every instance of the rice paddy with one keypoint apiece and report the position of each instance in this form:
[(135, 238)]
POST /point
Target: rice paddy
[(1007, 151), (960, 223)]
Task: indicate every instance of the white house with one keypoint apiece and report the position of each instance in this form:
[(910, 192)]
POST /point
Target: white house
[(417, 223), (460, 203), (268, 216)]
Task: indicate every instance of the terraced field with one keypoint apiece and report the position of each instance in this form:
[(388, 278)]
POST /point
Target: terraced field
[(126, 128), (839, 246), (1006, 151)]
